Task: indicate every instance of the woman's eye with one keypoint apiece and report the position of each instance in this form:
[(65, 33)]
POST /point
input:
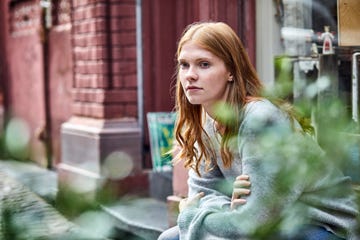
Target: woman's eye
[(204, 64), (183, 65)]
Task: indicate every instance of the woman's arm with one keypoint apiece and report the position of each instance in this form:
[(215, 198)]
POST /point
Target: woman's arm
[(241, 187), (217, 191)]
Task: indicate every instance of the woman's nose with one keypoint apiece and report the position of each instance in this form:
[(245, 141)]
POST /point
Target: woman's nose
[(191, 74)]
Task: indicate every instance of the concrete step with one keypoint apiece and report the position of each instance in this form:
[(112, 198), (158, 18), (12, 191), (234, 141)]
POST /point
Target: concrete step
[(41, 181), (25, 215), (144, 217), (132, 218)]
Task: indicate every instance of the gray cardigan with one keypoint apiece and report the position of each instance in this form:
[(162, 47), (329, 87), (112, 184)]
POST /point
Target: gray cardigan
[(292, 183)]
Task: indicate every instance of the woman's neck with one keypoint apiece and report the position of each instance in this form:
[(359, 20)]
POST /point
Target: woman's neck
[(218, 127)]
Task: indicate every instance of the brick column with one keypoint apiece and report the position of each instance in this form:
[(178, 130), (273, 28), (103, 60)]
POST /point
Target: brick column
[(104, 121)]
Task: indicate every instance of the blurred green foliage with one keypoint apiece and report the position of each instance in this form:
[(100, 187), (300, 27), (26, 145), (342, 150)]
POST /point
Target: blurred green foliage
[(327, 122)]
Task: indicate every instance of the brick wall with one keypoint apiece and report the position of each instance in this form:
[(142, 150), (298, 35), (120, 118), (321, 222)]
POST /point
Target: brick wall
[(104, 44)]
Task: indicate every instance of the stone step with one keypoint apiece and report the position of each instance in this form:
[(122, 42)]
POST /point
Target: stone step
[(144, 217), (26, 215), (41, 181)]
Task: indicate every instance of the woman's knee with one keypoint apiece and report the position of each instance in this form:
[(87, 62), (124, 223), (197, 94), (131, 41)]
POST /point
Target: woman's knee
[(170, 234)]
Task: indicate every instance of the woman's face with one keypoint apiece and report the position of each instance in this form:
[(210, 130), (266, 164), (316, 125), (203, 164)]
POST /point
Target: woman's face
[(203, 76)]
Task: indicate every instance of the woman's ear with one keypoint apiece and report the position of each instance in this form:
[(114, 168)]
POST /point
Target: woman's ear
[(230, 78)]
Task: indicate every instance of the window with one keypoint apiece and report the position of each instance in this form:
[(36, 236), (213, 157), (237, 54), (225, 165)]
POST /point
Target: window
[(295, 30)]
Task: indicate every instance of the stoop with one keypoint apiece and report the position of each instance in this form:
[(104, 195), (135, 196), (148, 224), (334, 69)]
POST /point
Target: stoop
[(143, 217)]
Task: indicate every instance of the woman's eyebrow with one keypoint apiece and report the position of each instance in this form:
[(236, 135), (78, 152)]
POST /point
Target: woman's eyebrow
[(194, 59), (203, 59), (181, 60)]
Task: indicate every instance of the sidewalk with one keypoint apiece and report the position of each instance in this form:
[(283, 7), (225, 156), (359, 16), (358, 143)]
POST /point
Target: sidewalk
[(25, 215), (29, 189), (41, 181)]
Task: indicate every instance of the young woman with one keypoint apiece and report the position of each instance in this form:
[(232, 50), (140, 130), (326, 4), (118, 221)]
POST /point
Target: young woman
[(225, 129)]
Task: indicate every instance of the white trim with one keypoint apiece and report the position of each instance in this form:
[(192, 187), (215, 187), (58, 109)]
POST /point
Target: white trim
[(267, 40), (139, 67)]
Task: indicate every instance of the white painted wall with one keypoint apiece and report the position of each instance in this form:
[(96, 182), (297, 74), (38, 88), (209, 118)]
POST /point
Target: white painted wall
[(268, 42)]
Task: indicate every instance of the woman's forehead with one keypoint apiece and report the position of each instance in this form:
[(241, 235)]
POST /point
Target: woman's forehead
[(193, 49)]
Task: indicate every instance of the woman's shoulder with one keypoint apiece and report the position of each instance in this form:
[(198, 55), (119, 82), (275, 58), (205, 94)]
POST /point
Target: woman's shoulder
[(262, 108), (262, 112)]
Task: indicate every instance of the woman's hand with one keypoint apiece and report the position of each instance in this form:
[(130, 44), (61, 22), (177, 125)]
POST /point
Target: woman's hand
[(190, 202), (241, 188)]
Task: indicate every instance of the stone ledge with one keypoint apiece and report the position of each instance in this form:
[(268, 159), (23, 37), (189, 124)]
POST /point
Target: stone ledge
[(41, 181), (144, 217), (24, 213)]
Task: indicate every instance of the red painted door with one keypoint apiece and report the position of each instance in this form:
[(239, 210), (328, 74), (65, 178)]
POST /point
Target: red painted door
[(163, 22), (25, 91), (59, 67)]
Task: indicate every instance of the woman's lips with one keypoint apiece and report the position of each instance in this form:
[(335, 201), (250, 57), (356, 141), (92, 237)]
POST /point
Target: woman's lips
[(191, 88)]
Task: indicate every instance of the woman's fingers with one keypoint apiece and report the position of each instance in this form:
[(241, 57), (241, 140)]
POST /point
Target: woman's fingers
[(239, 192), (188, 202), (198, 196), (237, 202), (241, 185), (195, 199), (242, 177), (242, 181)]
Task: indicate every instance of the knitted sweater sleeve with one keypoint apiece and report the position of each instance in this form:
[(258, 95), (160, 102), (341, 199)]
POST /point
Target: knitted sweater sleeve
[(216, 189), (270, 153)]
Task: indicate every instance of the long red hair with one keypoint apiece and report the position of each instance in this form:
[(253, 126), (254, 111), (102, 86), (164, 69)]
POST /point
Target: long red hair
[(222, 41)]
